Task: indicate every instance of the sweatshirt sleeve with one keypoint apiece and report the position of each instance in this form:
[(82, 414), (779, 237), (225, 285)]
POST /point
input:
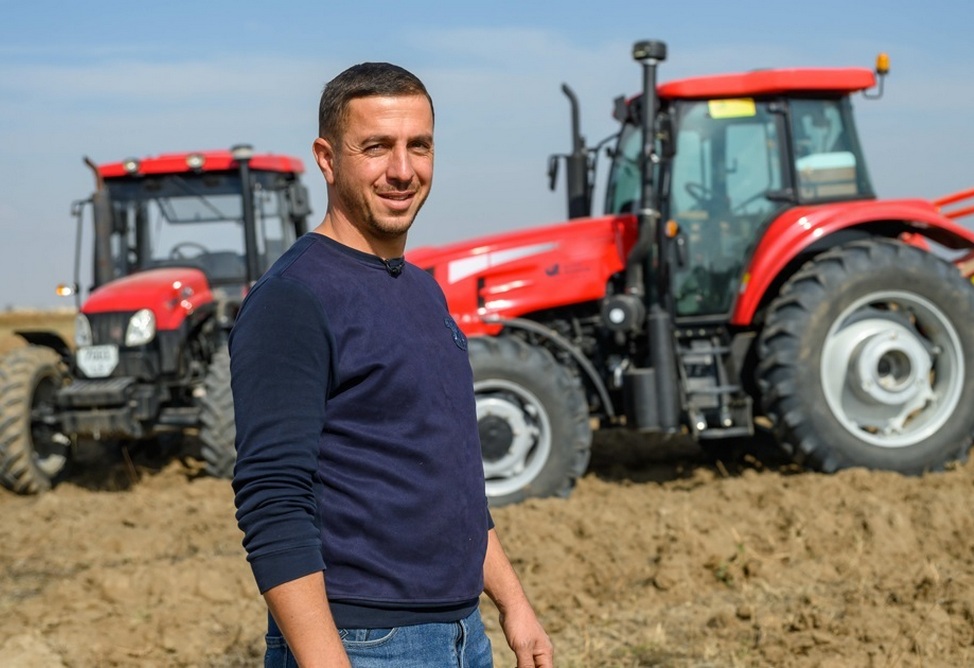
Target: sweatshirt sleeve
[(280, 365)]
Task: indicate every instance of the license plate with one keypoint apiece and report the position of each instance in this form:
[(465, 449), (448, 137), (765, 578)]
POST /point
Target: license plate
[(97, 361)]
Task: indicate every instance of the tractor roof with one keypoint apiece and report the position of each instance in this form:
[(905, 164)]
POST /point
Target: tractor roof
[(756, 83), (198, 161)]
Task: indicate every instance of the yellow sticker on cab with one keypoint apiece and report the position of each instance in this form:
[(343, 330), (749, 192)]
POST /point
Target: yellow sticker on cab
[(734, 108)]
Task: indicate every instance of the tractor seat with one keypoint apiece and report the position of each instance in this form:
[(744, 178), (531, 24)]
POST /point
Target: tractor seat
[(222, 266)]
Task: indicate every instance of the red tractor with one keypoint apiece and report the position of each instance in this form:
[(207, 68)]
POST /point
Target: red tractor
[(178, 239), (744, 274)]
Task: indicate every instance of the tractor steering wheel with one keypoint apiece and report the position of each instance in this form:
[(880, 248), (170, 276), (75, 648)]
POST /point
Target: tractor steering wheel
[(176, 253), (700, 193)]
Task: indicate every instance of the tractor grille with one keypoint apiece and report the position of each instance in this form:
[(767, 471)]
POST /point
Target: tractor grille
[(109, 327)]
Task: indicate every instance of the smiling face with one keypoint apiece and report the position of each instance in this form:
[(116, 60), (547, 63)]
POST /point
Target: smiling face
[(379, 172)]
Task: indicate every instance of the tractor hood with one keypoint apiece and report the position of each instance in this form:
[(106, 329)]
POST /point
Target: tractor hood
[(171, 293), (512, 274)]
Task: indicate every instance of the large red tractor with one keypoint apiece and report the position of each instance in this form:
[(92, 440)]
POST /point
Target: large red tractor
[(744, 274), (177, 240)]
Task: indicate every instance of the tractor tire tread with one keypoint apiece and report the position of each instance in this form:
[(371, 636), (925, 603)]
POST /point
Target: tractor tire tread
[(17, 372), (217, 427)]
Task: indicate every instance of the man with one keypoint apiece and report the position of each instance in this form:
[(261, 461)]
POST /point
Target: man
[(359, 484)]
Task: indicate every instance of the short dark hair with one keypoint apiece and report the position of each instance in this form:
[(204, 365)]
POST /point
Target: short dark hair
[(363, 80)]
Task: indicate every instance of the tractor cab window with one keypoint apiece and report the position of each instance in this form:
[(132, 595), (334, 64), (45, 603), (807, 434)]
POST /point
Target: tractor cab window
[(200, 230), (196, 221), (181, 229), (726, 170), (273, 237), (625, 182), (827, 165)]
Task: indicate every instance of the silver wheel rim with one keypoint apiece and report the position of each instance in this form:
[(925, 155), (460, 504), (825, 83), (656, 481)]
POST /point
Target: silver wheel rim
[(530, 443), (892, 369)]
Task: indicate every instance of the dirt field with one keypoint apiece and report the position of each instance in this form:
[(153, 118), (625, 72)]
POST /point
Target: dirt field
[(657, 559)]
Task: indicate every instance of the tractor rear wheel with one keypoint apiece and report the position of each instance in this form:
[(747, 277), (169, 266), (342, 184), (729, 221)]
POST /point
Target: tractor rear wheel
[(863, 360), (532, 415), (34, 454), (218, 431)]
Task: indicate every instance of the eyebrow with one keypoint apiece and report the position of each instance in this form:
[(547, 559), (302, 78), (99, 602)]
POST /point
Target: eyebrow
[(427, 138)]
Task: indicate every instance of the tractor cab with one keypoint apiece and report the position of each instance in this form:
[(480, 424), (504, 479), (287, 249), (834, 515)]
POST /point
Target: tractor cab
[(739, 149), (229, 214)]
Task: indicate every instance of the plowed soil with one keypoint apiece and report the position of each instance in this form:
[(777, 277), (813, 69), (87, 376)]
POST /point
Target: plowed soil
[(659, 558)]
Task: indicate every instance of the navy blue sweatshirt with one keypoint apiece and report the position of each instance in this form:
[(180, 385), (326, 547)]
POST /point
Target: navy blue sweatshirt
[(357, 443)]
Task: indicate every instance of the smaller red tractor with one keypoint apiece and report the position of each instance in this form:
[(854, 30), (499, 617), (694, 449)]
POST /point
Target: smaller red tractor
[(744, 274), (178, 239)]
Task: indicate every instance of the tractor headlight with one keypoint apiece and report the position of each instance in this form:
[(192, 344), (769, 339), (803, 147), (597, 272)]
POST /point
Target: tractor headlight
[(82, 331), (141, 329)]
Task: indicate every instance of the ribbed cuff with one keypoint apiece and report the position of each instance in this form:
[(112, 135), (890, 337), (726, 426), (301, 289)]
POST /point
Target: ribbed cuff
[(274, 569)]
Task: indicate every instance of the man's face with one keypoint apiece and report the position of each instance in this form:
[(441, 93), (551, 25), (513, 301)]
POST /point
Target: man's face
[(381, 169)]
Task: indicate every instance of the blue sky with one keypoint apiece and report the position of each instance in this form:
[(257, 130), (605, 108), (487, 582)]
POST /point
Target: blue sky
[(113, 79)]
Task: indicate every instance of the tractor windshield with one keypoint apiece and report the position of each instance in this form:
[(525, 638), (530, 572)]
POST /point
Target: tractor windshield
[(195, 220)]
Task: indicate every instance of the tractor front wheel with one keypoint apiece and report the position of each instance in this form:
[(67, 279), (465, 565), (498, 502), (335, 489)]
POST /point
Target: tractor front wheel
[(34, 454), (532, 415), (863, 360), (218, 431)]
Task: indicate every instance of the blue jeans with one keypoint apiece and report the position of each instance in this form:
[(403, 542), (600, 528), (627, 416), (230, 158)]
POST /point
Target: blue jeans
[(462, 644)]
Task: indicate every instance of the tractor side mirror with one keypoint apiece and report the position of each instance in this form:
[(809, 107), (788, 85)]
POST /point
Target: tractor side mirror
[(298, 201), (553, 171), (620, 110)]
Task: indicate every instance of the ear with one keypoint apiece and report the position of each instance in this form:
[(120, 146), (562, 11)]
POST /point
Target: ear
[(325, 157)]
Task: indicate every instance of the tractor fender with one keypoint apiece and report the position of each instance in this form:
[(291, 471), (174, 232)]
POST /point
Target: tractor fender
[(561, 343), (796, 230), (46, 339)]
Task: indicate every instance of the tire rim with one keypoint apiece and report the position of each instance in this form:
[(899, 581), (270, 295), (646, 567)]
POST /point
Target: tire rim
[(892, 369), (49, 446), (515, 435)]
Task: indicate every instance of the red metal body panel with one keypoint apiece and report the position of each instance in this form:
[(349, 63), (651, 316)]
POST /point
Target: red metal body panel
[(172, 293), (798, 228), (509, 275), (175, 163), (842, 80)]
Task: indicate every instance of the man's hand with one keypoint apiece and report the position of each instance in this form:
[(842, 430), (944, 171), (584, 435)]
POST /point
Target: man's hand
[(522, 629), (527, 638)]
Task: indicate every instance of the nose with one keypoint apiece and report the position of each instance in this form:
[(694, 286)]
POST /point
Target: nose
[(400, 167)]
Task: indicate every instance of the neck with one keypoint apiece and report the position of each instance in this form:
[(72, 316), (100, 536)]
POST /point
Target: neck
[(337, 228)]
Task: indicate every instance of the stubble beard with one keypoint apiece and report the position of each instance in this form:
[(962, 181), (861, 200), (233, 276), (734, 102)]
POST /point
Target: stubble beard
[(362, 213)]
